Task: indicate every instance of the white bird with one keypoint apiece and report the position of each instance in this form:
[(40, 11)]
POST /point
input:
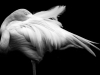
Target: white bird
[(33, 33)]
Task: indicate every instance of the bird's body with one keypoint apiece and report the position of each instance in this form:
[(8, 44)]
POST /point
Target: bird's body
[(33, 33)]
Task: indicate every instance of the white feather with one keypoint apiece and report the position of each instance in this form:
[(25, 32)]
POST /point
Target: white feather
[(40, 27)]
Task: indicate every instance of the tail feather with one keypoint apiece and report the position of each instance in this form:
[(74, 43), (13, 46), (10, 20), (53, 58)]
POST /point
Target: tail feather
[(80, 42)]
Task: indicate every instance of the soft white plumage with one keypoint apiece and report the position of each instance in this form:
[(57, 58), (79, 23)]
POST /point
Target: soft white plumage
[(33, 33)]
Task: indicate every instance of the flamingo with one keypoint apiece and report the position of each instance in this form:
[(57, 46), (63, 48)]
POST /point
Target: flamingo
[(33, 33)]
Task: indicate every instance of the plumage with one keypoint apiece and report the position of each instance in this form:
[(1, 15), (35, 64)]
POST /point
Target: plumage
[(35, 32)]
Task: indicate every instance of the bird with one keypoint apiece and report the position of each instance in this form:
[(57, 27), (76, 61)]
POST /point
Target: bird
[(32, 33)]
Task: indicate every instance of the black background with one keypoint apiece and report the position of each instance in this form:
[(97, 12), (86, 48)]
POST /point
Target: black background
[(80, 17)]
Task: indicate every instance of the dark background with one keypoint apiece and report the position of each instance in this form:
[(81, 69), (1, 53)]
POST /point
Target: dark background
[(80, 17)]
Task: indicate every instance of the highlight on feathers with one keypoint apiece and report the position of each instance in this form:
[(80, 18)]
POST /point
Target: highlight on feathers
[(33, 34)]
